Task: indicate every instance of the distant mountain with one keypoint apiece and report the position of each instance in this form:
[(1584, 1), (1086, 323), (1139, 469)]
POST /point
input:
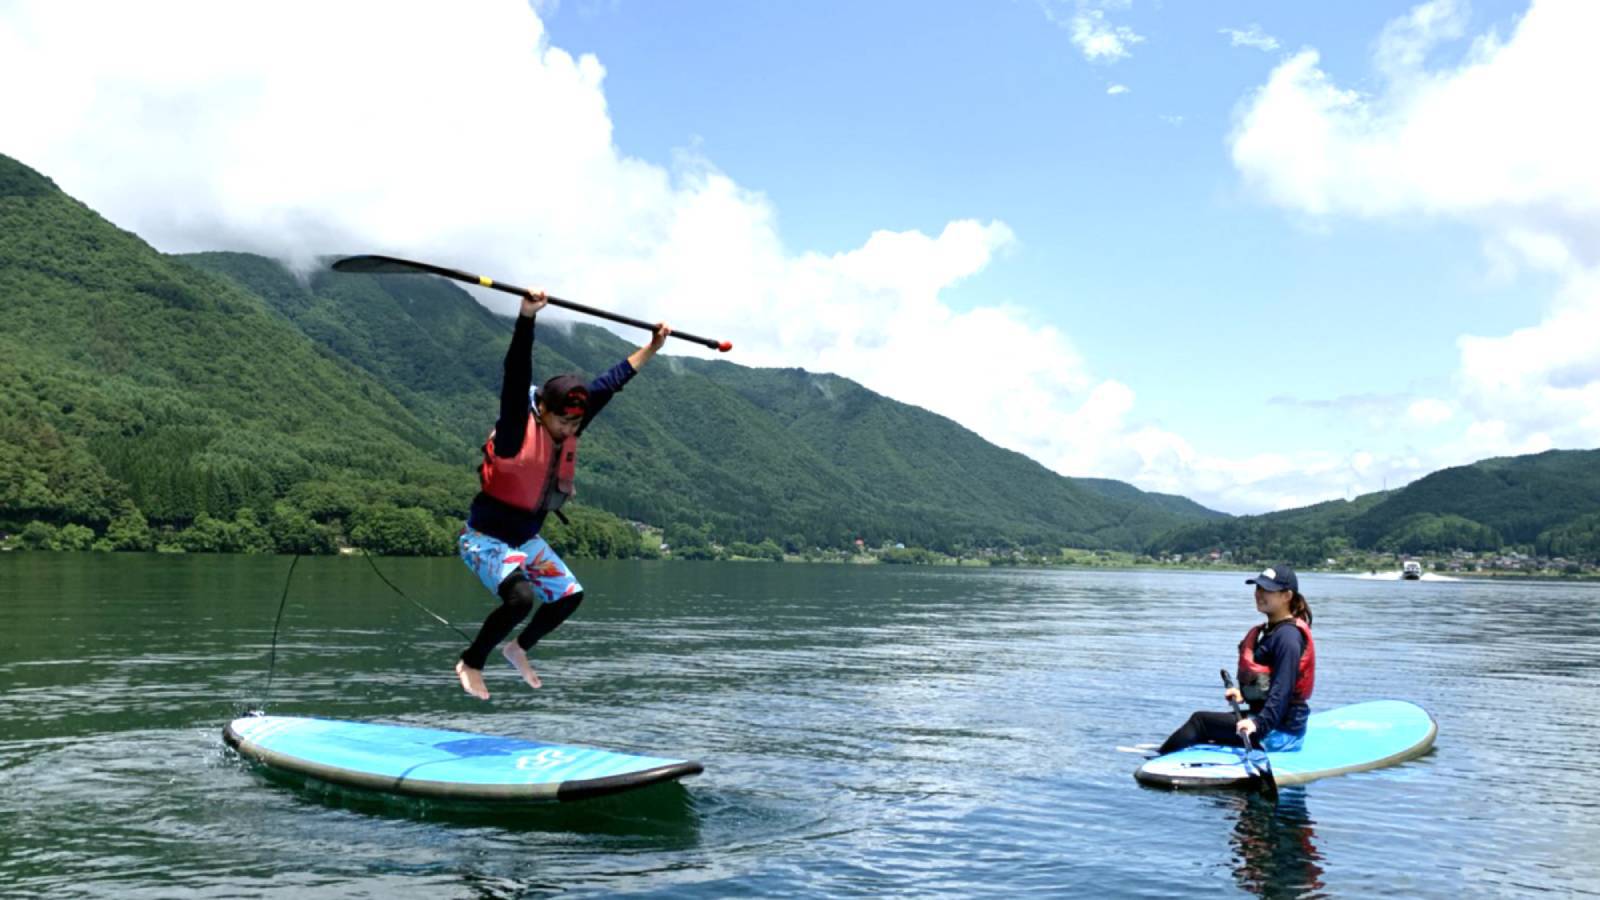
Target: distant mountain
[(1547, 502), (197, 386)]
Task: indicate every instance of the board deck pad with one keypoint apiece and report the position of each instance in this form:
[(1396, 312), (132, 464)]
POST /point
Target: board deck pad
[(453, 765), (1352, 738)]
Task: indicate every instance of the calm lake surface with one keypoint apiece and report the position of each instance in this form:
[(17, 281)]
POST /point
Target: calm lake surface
[(865, 731)]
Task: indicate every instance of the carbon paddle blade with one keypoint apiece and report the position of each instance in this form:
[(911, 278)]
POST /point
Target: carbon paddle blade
[(382, 265), (1269, 784)]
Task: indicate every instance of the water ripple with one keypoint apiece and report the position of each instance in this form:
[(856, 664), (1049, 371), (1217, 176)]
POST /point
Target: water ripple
[(866, 731)]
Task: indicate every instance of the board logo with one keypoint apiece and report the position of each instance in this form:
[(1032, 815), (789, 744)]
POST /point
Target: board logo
[(1358, 725), (544, 759)]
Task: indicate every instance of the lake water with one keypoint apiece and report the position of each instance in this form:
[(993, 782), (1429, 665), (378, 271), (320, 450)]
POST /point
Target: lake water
[(865, 731)]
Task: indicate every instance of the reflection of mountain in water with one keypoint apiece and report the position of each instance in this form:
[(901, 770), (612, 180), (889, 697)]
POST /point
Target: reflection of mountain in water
[(1275, 851)]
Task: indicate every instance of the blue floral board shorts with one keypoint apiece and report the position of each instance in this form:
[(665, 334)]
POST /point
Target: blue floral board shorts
[(493, 561), (1282, 741)]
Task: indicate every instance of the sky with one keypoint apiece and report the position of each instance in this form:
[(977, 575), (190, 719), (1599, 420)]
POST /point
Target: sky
[(1257, 254)]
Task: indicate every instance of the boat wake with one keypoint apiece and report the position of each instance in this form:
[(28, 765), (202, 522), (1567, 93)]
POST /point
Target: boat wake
[(1396, 575)]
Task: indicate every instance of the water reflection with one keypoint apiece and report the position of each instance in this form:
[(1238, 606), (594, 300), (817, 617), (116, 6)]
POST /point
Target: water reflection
[(663, 813), (1275, 851), (865, 732)]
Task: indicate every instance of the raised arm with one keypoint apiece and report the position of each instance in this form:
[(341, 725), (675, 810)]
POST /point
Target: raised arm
[(643, 355), (517, 380)]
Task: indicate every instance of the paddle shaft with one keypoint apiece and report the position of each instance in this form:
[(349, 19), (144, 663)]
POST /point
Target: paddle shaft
[(1269, 784), (395, 266)]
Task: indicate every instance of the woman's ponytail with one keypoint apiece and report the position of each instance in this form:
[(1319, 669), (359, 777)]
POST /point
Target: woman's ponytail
[(1299, 608)]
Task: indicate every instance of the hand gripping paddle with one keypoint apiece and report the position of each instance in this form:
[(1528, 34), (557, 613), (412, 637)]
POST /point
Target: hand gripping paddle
[(1263, 770)]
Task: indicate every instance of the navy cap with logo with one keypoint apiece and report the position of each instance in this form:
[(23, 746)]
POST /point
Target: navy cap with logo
[(565, 395), (1276, 578)]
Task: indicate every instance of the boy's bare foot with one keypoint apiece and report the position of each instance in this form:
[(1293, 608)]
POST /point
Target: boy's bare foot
[(471, 680), (518, 657)]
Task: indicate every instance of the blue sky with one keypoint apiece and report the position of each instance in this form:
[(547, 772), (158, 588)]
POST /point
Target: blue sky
[(1260, 254), (1134, 233)]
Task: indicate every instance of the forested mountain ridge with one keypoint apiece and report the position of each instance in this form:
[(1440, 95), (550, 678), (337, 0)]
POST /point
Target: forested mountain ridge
[(1546, 503), (148, 391), (808, 459)]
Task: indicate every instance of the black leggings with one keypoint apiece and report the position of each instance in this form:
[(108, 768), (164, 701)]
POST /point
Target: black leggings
[(516, 599), (1206, 728)]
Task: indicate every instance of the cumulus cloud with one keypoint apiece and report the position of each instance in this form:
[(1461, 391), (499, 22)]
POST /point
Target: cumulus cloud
[(1499, 138), (1251, 36), (462, 135), (1543, 380), (1116, 89)]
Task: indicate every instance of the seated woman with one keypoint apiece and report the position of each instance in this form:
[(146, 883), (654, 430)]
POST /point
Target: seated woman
[(1277, 669)]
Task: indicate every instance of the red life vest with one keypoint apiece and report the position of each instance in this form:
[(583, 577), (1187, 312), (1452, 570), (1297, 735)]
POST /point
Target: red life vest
[(520, 481), (1255, 679)]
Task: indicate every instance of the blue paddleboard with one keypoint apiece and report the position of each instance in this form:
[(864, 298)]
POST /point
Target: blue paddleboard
[(1351, 738), (453, 765)]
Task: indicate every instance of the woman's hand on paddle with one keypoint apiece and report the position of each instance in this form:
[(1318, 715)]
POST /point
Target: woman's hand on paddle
[(659, 337), (642, 355), (1245, 727), (532, 302), (1232, 695)]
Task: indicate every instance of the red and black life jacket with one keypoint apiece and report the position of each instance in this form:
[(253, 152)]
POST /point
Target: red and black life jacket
[(520, 480), (1255, 679)]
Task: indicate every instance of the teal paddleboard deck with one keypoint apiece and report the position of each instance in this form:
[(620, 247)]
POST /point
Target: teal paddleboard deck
[(1351, 738), (446, 765)]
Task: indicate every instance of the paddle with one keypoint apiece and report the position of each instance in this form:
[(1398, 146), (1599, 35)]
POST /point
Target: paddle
[(389, 265), (1263, 776)]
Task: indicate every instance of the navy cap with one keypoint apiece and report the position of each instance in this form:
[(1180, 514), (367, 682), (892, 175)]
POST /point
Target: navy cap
[(564, 395), (1276, 578)]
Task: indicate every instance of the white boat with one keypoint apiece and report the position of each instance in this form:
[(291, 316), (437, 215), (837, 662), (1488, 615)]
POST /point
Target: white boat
[(1411, 570)]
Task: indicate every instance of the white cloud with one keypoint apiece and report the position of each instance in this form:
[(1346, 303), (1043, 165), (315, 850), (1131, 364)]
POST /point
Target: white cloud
[(1270, 479), (1543, 379), (1092, 33), (461, 135), (1503, 138), (1251, 36), (1116, 89), (1099, 40), (465, 137)]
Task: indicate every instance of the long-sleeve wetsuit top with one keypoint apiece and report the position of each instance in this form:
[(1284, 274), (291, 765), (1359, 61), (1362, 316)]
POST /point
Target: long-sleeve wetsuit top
[(488, 515), (1279, 647)]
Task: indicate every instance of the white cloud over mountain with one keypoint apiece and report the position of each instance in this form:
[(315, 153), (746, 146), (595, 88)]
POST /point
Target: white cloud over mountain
[(463, 136), (1502, 139)]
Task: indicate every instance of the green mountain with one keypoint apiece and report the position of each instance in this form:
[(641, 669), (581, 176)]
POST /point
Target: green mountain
[(129, 380), (1547, 503), (221, 394), (747, 453)]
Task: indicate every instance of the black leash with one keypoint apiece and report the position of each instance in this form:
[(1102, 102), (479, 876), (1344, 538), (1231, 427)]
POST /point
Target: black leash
[(283, 601), (272, 661), (440, 619)]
